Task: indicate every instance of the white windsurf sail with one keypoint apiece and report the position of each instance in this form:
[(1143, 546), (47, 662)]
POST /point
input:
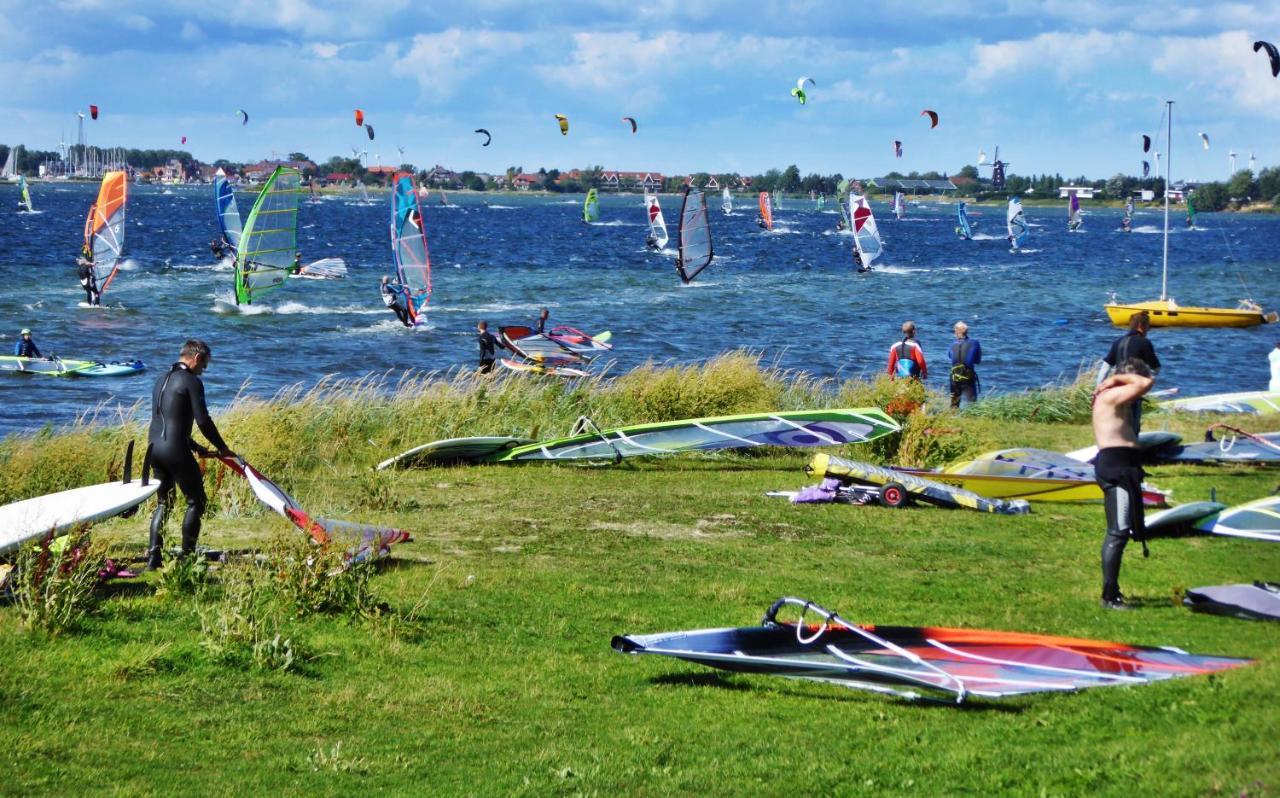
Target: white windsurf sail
[(899, 207), (695, 252), (726, 202), (866, 236), (657, 225), (224, 197), (1016, 223)]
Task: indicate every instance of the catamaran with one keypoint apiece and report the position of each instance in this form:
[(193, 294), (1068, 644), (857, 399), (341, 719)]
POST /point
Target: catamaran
[(765, 219), (1165, 312), (104, 228), (694, 253), (867, 245), (591, 207), (963, 228), (726, 202), (224, 198), (1074, 219), (409, 247), (899, 206), (658, 237), (1016, 224), (24, 204), (270, 237)]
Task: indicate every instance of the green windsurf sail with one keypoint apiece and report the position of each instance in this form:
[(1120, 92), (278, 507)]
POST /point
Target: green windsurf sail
[(591, 208), (270, 236)]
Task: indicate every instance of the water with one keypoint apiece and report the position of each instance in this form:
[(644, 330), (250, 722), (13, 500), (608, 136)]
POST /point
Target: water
[(790, 293)]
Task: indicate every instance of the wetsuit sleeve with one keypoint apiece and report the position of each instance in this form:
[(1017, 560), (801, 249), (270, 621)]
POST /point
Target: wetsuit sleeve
[(893, 359), (918, 353), (976, 355), (35, 350), (1110, 359), (1152, 360), (200, 412)]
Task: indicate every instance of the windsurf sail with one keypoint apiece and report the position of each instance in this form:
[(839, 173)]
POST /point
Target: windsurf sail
[(1128, 211), (918, 487), (270, 236), (866, 237), (104, 228), (963, 228), (1074, 219), (726, 201), (364, 194), (899, 207), (657, 224), (1257, 602), (1032, 474), (695, 251), (409, 246), (537, 347), (25, 193), (918, 662), (821, 203), (777, 200), (1016, 223), (224, 197), (591, 207), (766, 211), (844, 212), (1259, 520), (1191, 210)]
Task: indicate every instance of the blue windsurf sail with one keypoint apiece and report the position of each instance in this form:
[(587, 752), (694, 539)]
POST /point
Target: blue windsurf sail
[(409, 246), (963, 228), (224, 197)]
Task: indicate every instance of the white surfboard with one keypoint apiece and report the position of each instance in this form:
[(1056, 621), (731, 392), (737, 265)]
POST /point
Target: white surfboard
[(31, 519)]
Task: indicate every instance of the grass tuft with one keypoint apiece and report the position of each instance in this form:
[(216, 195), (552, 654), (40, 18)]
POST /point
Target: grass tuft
[(54, 581)]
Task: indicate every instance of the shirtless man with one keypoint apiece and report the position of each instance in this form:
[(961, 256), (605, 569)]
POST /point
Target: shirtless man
[(1118, 468)]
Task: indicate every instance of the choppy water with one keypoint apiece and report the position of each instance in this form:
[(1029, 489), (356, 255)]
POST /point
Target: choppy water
[(790, 293)]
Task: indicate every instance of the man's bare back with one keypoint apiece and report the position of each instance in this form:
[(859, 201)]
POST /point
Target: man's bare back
[(1112, 412)]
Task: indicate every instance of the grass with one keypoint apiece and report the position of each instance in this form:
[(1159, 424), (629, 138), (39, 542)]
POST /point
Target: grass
[(489, 670)]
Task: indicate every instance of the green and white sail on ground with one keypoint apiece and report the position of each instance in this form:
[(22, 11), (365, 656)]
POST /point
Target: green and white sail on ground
[(270, 237)]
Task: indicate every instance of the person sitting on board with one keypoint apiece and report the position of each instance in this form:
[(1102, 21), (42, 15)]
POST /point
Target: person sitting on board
[(906, 358), (177, 401), (392, 293), (839, 225), (965, 354), (1118, 468), (297, 264), (88, 280), (489, 344), (1132, 344), (542, 322), (25, 347)]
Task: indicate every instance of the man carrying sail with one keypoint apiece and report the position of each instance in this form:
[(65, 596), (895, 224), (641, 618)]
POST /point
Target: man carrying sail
[(489, 344), (88, 280)]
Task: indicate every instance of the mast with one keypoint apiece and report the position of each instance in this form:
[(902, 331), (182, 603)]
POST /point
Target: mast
[(1168, 159)]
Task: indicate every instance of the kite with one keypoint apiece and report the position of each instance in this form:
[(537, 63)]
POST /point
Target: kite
[(1146, 169), (487, 136), (1272, 53), (632, 121), (1204, 139), (244, 116), (369, 129), (359, 117), (564, 124), (1146, 143), (184, 139), (897, 148), (933, 117), (799, 93), (93, 111)]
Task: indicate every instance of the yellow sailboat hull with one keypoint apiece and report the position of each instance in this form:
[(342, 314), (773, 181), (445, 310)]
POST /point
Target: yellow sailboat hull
[(1167, 313)]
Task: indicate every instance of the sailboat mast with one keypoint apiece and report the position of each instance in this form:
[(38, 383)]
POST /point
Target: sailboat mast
[(1168, 160)]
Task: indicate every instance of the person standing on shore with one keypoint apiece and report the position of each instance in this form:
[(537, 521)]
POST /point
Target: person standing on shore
[(1133, 344), (906, 358), (1118, 468), (177, 402), (1274, 357), (542, 321), (489, 344), (965, 354)]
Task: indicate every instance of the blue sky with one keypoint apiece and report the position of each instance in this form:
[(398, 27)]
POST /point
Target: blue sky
[(1061, 86)]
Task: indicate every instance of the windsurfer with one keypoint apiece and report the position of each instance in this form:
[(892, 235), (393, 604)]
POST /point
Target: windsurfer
[(965, 354), (177, 401), (906, 358), (1126, 225), (22, 206), (296, 268), (651, 241), (25, 347), (489, 344), (220, 247), (760, 222), (88, 280), (392, 296), (1118, 468)]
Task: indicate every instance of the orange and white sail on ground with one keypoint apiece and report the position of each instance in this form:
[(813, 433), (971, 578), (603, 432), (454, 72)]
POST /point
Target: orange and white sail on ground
[(104, 227)]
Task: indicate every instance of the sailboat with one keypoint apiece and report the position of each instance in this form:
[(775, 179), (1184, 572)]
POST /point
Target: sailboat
[(726, 202), (963, 228), (591, 207), (1074, 219), (765, 219), (1165, 312), (224, 197), (867, 245), (1016, 224), (104, 228), (10, 171), (657, 225), (270, 237), (694, 235), (24, 206), (409, 247), (899, 207)]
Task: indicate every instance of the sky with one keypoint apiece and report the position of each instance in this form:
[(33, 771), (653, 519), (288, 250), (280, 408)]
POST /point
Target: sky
[(1061, 86)]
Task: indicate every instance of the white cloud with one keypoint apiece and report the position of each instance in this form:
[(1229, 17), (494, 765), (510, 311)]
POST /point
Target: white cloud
[(191, 32), (440, 61), (1066, 55), (138, 22), (1221, 71), (325, 49)]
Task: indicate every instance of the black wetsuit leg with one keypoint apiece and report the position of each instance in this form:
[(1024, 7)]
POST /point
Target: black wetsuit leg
[(486, 366), (1119, 474), (402, 314), (180, 469)]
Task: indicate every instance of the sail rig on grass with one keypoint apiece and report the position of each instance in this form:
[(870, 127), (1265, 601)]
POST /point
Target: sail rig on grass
[(104, 228), (695, 252), (409, 246), (270, 237)]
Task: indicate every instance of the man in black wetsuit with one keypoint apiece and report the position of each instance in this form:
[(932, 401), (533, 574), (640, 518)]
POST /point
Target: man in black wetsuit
[(177, 401), (1133, 344), (393, 296), (88, 280), (489, 344), (25, 347), (1118, 468), (542, 321)]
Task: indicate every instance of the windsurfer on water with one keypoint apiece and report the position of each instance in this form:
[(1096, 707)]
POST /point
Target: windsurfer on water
[(220, 247), (88, 280), (392, 296), (296, 268)]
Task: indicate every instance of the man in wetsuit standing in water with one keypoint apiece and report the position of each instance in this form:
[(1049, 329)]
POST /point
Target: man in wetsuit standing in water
[(88, 280), (177, 401), (1118, 468)]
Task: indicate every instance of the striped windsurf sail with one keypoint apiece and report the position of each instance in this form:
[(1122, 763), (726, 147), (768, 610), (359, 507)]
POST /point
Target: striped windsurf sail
[(104, 228), (25, 192), (409, 245), (591, 207), (270, 236), (866, 236), (1016, 222), (963, 228), (657, 225), (695, 251), (726, 201), (899, 207), (766, 210), (1074, 219), (1128, 209), (224, 197)]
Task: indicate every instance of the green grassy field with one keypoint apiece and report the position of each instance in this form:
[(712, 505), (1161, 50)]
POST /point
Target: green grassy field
[(491, 672)]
